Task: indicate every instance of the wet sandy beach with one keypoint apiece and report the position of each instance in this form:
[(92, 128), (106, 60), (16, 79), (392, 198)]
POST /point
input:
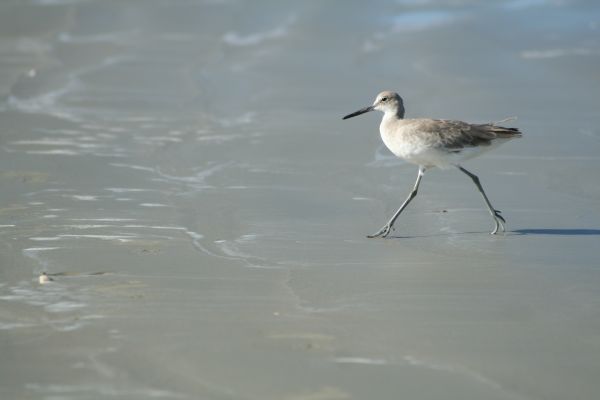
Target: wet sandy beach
[(181, 171)]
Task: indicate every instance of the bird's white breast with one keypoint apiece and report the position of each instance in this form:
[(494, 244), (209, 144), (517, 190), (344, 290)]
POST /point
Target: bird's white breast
[(403, 138)]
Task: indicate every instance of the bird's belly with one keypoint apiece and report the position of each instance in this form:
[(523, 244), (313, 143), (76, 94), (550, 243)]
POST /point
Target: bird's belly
[(431, 157), (419, 153)]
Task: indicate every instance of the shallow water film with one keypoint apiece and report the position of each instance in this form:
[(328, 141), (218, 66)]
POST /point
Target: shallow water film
[(180, 171)]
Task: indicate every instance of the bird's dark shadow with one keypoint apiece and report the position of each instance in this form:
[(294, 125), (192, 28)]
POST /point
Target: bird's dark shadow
[(516, 232), (439, 234), (558, 232)]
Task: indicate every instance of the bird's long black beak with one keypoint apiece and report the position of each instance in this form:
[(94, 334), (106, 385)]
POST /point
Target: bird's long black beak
[(361, 111)]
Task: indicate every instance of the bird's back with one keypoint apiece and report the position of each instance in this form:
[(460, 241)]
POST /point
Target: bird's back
[(441, 143)]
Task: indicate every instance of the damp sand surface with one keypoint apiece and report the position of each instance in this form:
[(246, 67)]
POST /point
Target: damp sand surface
[(181, 172)]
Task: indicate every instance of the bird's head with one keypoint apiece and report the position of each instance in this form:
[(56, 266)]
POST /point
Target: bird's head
[(386, 102)]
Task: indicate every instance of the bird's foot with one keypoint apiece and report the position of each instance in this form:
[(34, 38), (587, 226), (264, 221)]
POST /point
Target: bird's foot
[(497, 215), (499, 220), (383, 232)]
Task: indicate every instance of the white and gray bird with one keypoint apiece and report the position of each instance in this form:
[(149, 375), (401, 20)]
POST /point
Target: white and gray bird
[(432, 143)]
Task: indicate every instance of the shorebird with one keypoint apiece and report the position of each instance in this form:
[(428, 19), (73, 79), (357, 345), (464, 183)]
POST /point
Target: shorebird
[(432, 143), (44, 278)]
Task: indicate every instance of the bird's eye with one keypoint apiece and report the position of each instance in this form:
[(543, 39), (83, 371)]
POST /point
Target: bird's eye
[(384, 99)]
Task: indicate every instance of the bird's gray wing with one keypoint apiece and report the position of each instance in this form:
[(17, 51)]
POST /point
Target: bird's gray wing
[(456, 135)]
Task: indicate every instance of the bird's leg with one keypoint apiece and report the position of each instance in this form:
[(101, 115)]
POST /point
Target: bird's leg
[(383, 232), (498, 219)]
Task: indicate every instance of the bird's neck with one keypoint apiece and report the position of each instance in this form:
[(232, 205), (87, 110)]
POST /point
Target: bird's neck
[(393, 116), (389, 120), (397, 114), (400, 112)]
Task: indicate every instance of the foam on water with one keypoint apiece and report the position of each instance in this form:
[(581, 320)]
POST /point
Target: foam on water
[(128, 190), (52, 299), (84, 197), (118, 238), (254, 39), (360, 360), (136, 167), (54, 152), (422, 20), (558, 52), (108, 390), (104, 219)]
